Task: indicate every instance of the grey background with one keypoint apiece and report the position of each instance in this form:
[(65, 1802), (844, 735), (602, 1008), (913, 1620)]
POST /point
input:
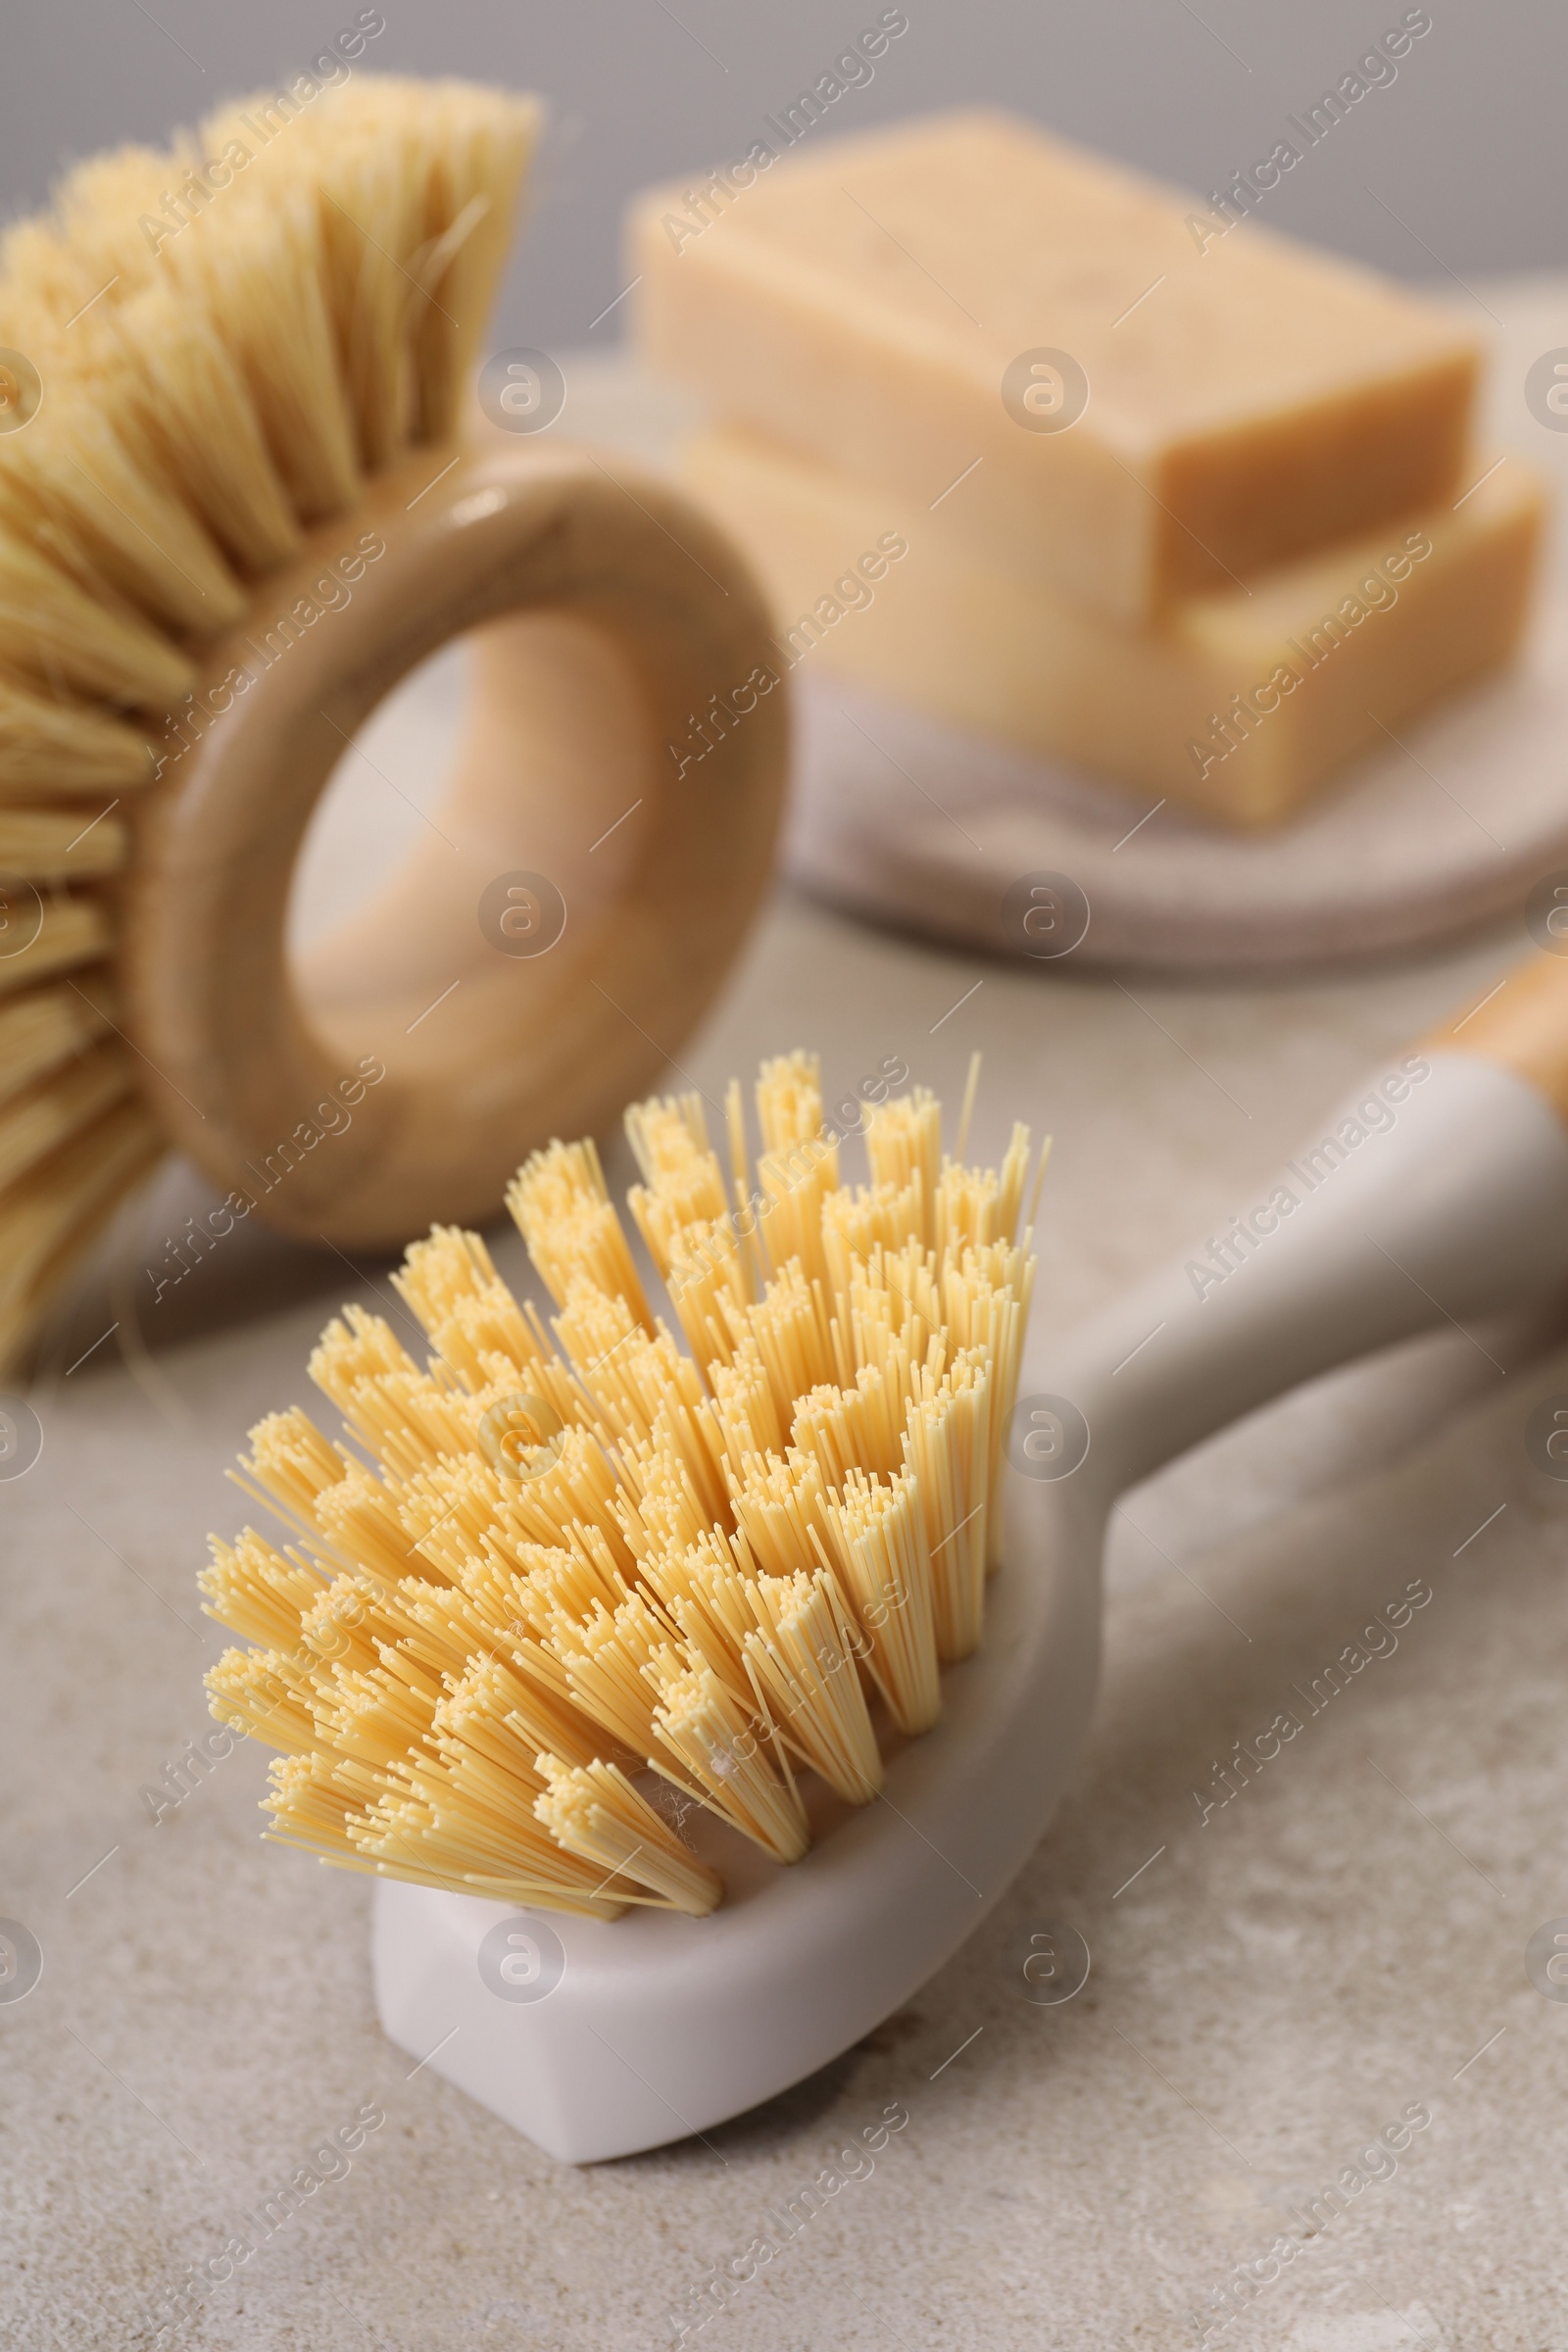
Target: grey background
[(1458, 166)]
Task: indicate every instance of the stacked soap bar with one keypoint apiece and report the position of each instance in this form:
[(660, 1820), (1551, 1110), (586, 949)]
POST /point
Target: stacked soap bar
[(1240, 703), (1133, 457)]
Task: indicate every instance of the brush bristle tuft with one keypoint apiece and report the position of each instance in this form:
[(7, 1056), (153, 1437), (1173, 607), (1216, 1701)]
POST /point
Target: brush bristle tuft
[(591, 1592), (234, 336)]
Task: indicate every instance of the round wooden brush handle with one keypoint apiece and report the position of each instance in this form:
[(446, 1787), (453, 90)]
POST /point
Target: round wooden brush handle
[(1523, 1025), (626, 741)]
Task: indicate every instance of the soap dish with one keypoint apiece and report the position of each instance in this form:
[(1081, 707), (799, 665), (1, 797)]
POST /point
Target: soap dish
[(917, 823)]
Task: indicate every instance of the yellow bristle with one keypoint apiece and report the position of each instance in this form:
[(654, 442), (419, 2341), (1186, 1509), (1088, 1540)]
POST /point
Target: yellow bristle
[(447, 1514), (517, 1432), (61, 845), (355, 1346), (793, 1335), (506, 1715), (42, 1030), (709, 1267), (491, 1591), (260, 1692), (728, 1753), (705, 1595), (450, 1283), (579, 1487), (856, 1221), (593, 1810), (669, 1513), (753, 1257), (788, 1100), (593, 1327), (664, 1212), (43, 1117), (909, 1278), (258, 1591), (377, 1714), (777, 1505), (571, 1584), (369, 229), (987, 1297), (289, 1466), (188, 414), (878, 1546), (947, 1450), (801, 1659), (971, 1087), (575, 1567), (903, 1145), (359, 1518), (256, 272), (795, 1183), (545, 1396), (603, 1655), (141, 538), (683, 1182), (442, 1628), (54, 629), (559, 1204), (743, 1417), (650, 1395), (1015, 1176), (411, 1420), (51, 748), (457, 1819), (70, 931), (978, 1207), (667, 1135), (310, 1807), (660, 1408), (800, 1165), (479, 145), (51, 1216), (858, 1428), (485, 1333), (343, 1626), (554, 1178)]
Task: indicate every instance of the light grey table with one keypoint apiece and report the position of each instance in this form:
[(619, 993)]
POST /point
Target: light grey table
[(1270, 1986)]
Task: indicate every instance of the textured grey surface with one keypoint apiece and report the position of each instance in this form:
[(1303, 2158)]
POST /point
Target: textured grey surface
[(1275, 1987), (1272, 1989)]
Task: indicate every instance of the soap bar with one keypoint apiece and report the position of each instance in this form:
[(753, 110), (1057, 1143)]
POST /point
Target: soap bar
[(1093, 374), (1241, 703)]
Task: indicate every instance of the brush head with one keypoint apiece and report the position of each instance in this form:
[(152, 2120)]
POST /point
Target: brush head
[(582, 1589), (615, 1630), (230, 338)]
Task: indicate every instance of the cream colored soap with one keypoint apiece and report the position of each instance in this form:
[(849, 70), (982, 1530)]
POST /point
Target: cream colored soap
[(865, 302), (1242, 705)]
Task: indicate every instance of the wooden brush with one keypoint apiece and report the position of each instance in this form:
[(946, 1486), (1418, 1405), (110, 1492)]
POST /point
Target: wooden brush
[(549, 1596), (233, 370)]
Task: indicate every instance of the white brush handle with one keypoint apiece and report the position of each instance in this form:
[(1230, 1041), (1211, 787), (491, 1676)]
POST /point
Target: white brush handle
[(1455, 1208)]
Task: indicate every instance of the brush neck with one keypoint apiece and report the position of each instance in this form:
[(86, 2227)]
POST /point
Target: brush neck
[(1448, 1205)]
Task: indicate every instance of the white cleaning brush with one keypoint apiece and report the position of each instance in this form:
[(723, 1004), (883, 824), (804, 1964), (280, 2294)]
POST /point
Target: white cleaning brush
[(576, 1589)]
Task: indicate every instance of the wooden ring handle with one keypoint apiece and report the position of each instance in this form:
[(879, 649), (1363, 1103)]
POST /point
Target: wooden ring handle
[(624, 670)]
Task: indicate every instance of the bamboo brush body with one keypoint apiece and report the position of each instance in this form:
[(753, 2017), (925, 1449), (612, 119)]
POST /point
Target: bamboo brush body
[(231, 339), (555, 1595)]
